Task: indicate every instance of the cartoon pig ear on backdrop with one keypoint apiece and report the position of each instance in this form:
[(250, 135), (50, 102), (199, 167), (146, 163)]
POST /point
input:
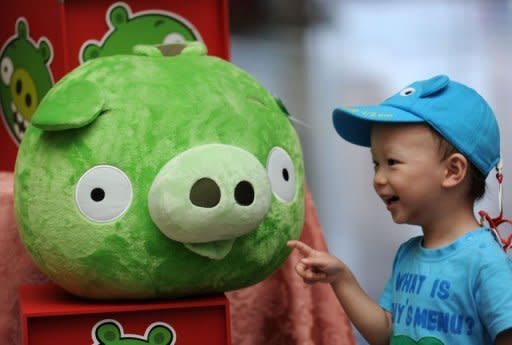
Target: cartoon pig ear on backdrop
[(76, 106), (22, 28), (44, 49), (119, 15)]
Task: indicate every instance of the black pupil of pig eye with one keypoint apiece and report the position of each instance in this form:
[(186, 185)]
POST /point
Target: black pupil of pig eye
[(97, 194), (286, 175)]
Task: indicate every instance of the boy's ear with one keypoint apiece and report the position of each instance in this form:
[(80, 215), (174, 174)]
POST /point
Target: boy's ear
[(456, 169)]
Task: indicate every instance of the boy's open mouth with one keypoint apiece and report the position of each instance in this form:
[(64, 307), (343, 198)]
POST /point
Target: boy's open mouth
[(391, 199)]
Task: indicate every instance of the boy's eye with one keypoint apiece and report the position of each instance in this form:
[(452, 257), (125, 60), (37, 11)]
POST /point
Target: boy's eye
[(392, 162)]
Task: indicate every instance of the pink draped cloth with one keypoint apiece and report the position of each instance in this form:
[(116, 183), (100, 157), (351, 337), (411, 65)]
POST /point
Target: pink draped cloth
[(280, 310), (16, 266)]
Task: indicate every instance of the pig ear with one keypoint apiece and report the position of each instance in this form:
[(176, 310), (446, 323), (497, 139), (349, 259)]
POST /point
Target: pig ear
[(69, 105), (44, 50), (281, 105), (119, 15), (108, 333), (91, 51), (21, 28), (160, 335)]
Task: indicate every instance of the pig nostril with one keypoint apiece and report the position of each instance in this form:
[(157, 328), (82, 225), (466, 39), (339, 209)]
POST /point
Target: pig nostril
[(19, 86), (205, 193), (244, 193)]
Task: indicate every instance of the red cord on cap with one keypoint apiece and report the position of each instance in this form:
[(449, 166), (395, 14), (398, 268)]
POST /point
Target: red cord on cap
[(494, 223)]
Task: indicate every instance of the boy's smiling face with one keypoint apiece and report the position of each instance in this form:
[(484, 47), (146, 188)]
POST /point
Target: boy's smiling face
[(408, 171)]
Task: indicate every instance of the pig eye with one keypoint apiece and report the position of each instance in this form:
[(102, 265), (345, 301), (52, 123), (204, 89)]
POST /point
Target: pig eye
[(103, 193), (174, 38), (281, 174), (6, 69)]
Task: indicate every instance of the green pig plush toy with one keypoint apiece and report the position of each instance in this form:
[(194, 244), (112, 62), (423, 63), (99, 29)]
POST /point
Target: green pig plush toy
[(161, 174)]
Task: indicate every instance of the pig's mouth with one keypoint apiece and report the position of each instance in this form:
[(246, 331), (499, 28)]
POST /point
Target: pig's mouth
[(215, 250)]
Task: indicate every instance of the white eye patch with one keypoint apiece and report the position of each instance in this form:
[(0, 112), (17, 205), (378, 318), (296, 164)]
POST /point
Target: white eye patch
[(281, 174), (103, 193), (6, 69)]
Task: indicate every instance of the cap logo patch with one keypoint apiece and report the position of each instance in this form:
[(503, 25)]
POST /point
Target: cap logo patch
[(367, 113)]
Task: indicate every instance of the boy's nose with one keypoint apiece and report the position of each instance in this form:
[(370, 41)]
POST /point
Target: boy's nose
[(379, 179)]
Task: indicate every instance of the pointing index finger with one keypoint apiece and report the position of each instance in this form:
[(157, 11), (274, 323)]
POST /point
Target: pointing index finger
[(303, 248)]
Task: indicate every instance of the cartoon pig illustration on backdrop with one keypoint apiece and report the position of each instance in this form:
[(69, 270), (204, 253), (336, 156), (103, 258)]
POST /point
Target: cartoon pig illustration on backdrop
[(162, 174), (25, 78), (128, 29)]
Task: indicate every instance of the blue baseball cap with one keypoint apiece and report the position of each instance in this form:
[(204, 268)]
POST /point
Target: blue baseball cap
[(458, 113)]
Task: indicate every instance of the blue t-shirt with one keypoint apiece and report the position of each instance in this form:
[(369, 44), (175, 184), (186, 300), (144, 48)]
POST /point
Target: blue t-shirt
[(457, 294)]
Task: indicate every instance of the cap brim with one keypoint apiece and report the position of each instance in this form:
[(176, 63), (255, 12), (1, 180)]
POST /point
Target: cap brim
[(355, 124)]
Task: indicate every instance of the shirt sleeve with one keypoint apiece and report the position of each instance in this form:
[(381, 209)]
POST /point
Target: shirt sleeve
[(494, 294)]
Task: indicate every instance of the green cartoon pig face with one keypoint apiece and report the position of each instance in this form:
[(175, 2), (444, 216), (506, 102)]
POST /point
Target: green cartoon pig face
[(25, 79), (142, 28), (159, 176), (110, 332)]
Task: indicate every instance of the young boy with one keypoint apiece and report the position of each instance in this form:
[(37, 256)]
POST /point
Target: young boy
[(432, 146)]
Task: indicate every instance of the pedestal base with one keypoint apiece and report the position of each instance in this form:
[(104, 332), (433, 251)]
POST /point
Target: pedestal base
[(50, 316)]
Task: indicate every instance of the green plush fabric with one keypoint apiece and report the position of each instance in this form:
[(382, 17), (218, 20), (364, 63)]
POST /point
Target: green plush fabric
[(144, 137)]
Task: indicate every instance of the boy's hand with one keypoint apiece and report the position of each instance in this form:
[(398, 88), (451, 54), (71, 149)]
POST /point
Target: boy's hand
[(316, 266), (371, 320)]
